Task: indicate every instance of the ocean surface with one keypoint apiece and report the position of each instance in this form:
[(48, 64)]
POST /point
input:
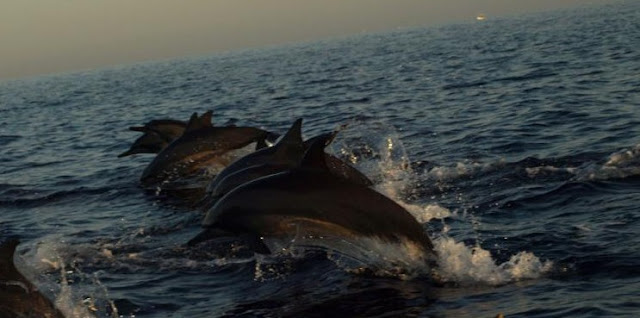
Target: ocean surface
[(514, 141)]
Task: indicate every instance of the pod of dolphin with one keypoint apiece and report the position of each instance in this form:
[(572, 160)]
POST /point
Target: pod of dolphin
[(251, 189), (271, 191)]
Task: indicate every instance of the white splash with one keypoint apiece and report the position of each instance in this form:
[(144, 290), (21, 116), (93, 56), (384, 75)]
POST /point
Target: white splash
[(624, 157), (382, 157), (464, 265), (544, 170), (45, 258), (459, 170), (619, 165), (427, 212), (68, 303), (397, 178), (403, 259)]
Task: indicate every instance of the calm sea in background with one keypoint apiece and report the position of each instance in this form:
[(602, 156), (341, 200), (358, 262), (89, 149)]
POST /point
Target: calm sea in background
[(516, 142)]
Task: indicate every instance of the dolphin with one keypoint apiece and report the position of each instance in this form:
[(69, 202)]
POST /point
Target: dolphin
[(309, 195), (336, 165), (340, 168), (167, 128), (200, 146), (284, 155), (150, 142), (18, 296), (238, 178), (157, 135)]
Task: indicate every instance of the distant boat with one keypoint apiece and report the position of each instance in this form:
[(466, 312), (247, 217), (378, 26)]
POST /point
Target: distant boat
[(481, 17)]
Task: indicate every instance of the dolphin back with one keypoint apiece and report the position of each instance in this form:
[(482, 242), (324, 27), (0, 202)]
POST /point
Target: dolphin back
[(198, 148), (284, 154), (267, 206)]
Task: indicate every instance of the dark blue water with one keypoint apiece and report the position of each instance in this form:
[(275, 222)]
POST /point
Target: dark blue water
[(516, 142)]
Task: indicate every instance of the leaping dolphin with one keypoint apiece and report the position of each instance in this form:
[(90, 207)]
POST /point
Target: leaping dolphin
[(168, 128), (284, 155), (157, 135), (18, 297), (150, 142), (310, 196), (200, 146)]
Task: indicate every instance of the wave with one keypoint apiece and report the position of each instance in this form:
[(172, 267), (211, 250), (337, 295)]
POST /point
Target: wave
[(30, 198), (362, 100), (8, 139), (31, 165), (619, 165), (533, 75)]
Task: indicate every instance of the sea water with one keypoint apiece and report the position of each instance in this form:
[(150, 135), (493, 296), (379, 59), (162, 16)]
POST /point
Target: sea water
[(513, 141)]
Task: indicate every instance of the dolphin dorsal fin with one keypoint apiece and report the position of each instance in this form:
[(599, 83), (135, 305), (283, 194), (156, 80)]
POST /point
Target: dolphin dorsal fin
[(328, 137), (314, 157), (290, 145), (196, 123), (205, 119), (293, 136)]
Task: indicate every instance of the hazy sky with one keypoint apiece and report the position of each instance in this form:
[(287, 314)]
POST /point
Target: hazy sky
[(45, 36)]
